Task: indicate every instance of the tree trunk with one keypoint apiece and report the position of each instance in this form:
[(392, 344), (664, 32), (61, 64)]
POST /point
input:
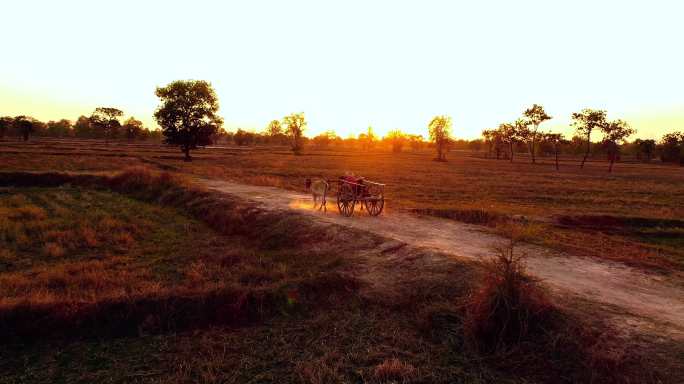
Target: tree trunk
[(612, 160), (586, 154), (186, 150), (556, 151), (26, 135), (511, 146)]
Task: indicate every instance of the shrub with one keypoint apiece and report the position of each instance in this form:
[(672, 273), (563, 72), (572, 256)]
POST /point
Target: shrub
[(510, 306)]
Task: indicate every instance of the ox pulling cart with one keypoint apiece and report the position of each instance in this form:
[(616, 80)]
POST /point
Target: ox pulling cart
[(352, 190)]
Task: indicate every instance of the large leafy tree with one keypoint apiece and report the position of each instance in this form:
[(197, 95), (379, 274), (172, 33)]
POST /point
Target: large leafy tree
[(133, 128), (585, 122), (188, 114), (296, 124), (439, 129), (535, 115), (646, 148), (105, 121), (614, 134)]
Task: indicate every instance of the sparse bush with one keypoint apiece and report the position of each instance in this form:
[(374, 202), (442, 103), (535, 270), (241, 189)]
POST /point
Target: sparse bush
[(510, 306)]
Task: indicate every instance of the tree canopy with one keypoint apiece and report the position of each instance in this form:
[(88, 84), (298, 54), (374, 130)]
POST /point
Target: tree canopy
[(296, 124), (188, 114), (440, 131)]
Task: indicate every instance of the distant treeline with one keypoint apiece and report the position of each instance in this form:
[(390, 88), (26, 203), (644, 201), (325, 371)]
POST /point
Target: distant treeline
[(104, 123), (670, 148), (502, 143)]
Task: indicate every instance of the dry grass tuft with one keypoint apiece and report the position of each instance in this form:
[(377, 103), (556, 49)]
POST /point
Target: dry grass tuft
[(394, 371)]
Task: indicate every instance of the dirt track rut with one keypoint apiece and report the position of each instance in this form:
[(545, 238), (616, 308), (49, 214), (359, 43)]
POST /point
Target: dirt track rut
[(653, 301)]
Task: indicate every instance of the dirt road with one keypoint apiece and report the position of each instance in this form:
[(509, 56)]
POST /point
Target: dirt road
[(650, 301)]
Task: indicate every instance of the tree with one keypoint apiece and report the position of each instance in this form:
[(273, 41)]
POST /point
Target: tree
[(614, 134), (60, 128), (397, 138), (509, 135), (439, 129), (584, 122), (188, 114), (672, 147), (555, 139), (133, 128), (535, 115), (25, 125), (82, 127), (296, 124), (524, 134), (106, 121), (243, 137), (646, 147), (274, 128), (5, 125), (367, 139), (324, 139), (415, 141)]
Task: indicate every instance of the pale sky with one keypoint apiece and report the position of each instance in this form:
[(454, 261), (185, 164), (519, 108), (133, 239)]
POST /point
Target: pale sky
[(350, 64)]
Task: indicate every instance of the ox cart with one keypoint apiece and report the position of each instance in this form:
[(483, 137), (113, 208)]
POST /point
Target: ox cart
[(369, 194)]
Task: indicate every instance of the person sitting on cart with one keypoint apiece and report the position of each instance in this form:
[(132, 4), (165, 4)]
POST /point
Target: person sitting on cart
[(359, 189)]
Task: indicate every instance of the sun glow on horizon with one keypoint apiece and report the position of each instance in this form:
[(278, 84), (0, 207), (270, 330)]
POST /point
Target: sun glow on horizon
[(347, 66)]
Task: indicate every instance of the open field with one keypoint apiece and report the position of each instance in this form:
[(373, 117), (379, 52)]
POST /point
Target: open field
[(143, 277), (633, 215)]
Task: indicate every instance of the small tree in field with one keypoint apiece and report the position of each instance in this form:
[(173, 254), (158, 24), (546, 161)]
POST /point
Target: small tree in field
[(274, 128), (615, 133), (555, 139), (646, 148), (509, 135), (535, 115), (296, 124), (585, 121), (397, 138), (440, 132), (367, 139), (106, 120), (133, 128), (188, 114), (524, 134)]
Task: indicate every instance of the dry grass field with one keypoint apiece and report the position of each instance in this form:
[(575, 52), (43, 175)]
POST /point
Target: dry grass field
[(141, 277), (634, 215)]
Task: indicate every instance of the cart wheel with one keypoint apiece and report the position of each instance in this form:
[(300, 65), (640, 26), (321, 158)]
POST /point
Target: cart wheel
[(346, 200), (375, 206)]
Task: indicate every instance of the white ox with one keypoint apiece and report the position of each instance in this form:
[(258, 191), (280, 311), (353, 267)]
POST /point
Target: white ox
[(319, 189)]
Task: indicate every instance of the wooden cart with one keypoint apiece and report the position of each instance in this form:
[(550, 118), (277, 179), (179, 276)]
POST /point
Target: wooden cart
[(367, 193)]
